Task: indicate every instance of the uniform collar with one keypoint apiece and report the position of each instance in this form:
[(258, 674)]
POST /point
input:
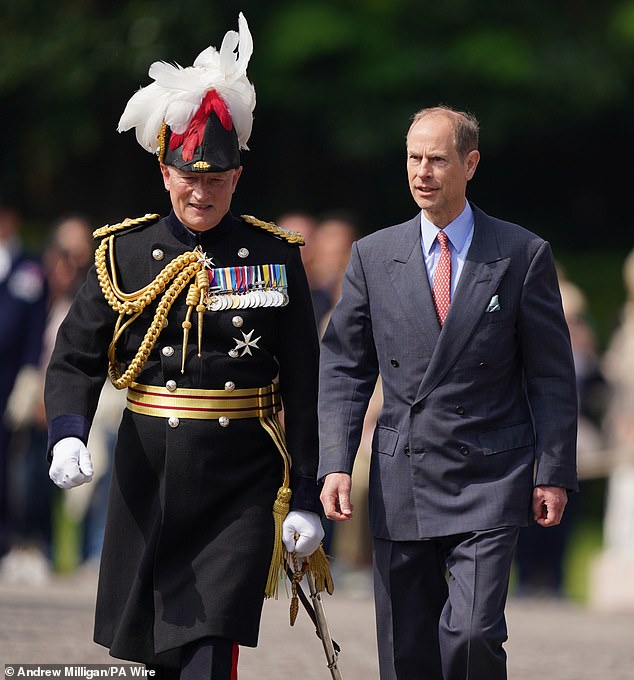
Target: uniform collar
[(200, 238)]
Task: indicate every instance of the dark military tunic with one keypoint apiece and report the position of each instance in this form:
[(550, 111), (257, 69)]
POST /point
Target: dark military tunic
[(189, 530)]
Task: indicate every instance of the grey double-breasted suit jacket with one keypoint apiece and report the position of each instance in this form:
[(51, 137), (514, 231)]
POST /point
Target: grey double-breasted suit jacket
[(475, 414)]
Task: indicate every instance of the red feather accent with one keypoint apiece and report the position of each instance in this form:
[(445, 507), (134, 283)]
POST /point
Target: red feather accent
[(193, 136)]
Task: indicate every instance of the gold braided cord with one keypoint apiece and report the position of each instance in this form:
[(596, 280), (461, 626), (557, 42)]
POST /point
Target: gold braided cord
[(286, 234), (161, 142), (128, 222), (169, 283), (121, 381), (131, 303)]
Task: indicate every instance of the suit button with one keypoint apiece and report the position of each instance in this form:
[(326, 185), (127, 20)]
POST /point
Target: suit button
[(173, 422), (394, 363), (464, 449), (230, 386), (483, 364), (223, 421), (459, 410), (158, 254), (417, 408), (167, 351), (407, 450), (171, 385)]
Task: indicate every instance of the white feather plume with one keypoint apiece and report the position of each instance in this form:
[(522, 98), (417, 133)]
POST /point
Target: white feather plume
[(177, 92)]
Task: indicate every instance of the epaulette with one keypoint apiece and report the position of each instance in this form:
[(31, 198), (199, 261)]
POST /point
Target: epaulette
[(291, 236), (126, 224)]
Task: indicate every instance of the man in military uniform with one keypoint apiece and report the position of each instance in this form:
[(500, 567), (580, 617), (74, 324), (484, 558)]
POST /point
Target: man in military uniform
[(206, 319)]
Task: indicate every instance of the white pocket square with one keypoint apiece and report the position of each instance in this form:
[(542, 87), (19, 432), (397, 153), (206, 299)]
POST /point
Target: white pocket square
[(494, 304)]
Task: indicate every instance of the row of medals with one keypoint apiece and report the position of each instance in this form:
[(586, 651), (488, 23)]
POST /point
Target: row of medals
[(265, 297)]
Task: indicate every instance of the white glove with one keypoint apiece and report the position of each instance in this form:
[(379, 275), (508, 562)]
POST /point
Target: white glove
[(307, 526), (71, 464)]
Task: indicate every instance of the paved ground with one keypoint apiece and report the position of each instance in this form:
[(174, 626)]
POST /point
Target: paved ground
[(554, 640)]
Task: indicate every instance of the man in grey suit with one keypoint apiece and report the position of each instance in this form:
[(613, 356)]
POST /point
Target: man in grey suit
[(460, 315)]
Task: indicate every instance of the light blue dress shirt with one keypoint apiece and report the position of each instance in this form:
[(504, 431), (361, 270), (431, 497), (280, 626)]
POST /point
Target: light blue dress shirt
[(459, 235)]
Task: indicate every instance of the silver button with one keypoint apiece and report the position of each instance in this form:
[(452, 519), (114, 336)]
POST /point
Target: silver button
[(243, 252), (230, 386), (165, 322), (173, 421), (158, 254), (167, 351), (237, 321), (223, 421), (171, 385), (233, 353)]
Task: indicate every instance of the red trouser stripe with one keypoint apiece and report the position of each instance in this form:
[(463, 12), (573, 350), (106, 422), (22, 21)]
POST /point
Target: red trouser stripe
[(234, 661)]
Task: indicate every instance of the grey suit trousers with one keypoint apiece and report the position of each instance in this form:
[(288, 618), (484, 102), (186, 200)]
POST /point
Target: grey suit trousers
[(440, 605)]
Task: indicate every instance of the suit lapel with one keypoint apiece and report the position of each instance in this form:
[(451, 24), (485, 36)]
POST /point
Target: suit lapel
[(406, 271), (483, 269)]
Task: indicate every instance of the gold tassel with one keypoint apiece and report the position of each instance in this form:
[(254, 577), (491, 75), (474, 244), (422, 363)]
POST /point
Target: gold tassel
[(201, 310), (298, 575), (280, 510), (202, 282), (191, 300), (320, 569)]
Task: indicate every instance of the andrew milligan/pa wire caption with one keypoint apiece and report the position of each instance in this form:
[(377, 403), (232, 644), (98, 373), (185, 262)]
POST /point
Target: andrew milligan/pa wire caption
[(89, 672)]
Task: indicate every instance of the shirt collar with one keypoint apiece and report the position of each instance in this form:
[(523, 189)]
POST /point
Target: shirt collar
[(457, 231)]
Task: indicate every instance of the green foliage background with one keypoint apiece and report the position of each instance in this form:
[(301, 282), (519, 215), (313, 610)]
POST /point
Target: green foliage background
[(337, 81)]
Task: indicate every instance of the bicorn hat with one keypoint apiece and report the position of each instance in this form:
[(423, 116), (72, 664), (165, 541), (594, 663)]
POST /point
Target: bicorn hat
[(198, 118)]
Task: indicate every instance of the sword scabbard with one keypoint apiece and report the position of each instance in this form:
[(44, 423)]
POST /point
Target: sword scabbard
[(322, 628)]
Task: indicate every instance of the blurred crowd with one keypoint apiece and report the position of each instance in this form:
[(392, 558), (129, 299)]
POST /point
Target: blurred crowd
[(35, 293)]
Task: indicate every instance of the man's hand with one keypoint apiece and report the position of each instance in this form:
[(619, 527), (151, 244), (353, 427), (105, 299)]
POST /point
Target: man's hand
[(548, 505), (71, 464), (335, 496), (302, 532)]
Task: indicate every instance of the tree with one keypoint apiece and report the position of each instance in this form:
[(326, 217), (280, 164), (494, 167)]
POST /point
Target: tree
[(337, 81)]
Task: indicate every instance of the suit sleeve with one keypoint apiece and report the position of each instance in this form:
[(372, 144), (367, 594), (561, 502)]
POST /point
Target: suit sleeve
[(549, 373), (348, 373), (298, 357)]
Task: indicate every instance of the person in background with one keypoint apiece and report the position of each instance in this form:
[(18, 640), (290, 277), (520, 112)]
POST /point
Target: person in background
[(205, 318), (460, 314), (73, 235), (541, 554), (336, 232), (65, 262), (307, 226), (618, 425), (23, 314)]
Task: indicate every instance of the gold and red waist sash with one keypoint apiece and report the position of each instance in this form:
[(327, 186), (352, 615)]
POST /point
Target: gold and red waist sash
[(256, 402)]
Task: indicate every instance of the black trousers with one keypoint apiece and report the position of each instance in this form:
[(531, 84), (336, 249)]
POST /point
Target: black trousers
[(440, 606), (209, 658)]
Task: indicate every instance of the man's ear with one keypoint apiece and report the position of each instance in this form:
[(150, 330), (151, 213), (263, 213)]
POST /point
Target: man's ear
[(165, 172), (471, 163), (236, 177)]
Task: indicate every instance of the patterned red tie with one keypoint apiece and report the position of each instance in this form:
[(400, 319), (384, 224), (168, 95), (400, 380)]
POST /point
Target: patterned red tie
[(442, 279)]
